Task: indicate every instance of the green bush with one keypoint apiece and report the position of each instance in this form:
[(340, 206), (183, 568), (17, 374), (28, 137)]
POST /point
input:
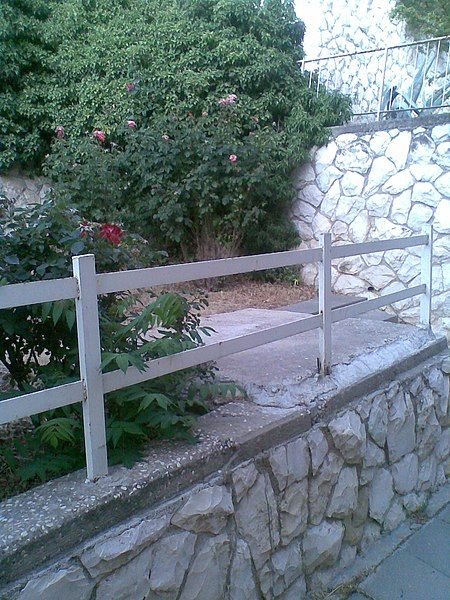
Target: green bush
[(164, 67), (38, 345), (424, 18)]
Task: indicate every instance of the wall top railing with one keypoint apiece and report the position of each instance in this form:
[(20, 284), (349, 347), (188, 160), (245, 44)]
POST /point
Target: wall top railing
[(407, 79), (86, 285)]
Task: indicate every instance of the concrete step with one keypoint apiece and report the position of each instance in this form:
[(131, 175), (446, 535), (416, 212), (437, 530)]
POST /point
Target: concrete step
[(311, 307)]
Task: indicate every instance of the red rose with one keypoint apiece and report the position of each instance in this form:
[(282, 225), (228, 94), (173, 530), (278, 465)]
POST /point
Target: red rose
[(99, 135), (112, 233), (130, 87), (131, 124), (60, 133)]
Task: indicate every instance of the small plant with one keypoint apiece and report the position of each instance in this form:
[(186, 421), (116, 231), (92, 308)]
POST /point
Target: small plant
[(38, 346)]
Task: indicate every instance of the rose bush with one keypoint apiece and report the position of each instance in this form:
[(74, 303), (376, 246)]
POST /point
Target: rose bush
[(38, 345)]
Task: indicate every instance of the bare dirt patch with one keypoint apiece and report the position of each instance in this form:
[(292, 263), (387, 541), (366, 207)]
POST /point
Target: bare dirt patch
[(237, 293)]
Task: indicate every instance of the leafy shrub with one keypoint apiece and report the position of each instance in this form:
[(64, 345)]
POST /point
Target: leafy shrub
[(38, 345), (424, 18)]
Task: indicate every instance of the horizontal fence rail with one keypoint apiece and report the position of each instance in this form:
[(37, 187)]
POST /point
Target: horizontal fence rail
[(86, 285), (407, 79)]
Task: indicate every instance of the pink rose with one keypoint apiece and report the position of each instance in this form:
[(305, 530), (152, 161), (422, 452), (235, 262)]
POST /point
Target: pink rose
[(131, 124), (230, 99), (60, 133), (99, 135), (130, 87), (233, 158), (165, 137)]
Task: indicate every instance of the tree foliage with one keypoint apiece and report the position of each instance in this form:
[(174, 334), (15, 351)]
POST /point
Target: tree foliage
[(424, 18)]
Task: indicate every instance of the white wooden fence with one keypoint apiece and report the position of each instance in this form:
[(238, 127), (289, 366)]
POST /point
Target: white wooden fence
[(86, 285)]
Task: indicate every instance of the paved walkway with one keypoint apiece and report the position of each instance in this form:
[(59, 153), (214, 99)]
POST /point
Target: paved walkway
[(418, 570)]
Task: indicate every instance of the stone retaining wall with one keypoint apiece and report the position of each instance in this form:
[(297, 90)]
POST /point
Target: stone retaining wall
[(23, 189), (284, 523), (379, 182)]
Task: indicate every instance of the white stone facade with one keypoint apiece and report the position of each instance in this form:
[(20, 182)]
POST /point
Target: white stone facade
[(283, 524), (366, 186)]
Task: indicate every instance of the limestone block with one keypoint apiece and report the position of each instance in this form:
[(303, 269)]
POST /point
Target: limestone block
[(326, 178), (379, 277), (347, 208), (419, 215), (304, 231), (318, 448), (257, 520), (243, 478), (427, 473), (294, 511), (382, 169), (355, 157), (381, 494), (428, 433), (442, 449), (320, 224), (345, 139), (128, 582), (442, 185), (440, 132), (207, 576), (384, 229), (442, 155), (321, 485), (206, 510), (398, 149), (290, 463), (297, 591), (171, 558), (374, 456), (349, 436), (324, 157), (345, 494), (321, 545), (405, 473), (304, 211), (426, 193), (378, 205), (422, 149), (311, 194), (371, 533), (409, 269), (425, 172), (442, 217), (242, 584), (359, 228), (69, 583), (414, 502), (111, 553), (401, 437), (349, 284), (399, 182), (352, 183), (287, 567), (379, 142), (331, 199), (305, 173), (394, 516)]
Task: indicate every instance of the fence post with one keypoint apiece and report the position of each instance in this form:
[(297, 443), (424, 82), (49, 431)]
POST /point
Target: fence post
[(89, 350), (325, 304), (426, 270)]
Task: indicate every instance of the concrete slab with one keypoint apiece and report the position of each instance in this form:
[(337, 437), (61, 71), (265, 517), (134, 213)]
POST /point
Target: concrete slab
[(405, 577), (312, 306), (284, 373), (432, 546), (445, 514)]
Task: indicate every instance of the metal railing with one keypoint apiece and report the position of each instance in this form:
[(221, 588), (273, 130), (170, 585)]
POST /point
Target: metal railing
[(86, 285), (407, 79)]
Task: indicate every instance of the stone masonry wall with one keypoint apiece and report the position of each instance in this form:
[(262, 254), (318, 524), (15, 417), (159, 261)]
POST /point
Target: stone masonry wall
[(287, 521), (377, 184), (22, 189)]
